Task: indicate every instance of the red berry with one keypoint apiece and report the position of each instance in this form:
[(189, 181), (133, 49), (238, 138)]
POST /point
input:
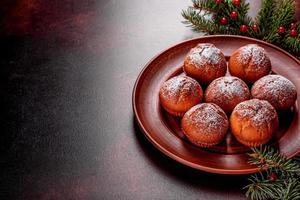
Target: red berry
[(293, 33), (218, 1), (281, 29), (224, 21), (236, 2), (293, 26), (243, 28), (254, 27), (272, 177), (234, 14)]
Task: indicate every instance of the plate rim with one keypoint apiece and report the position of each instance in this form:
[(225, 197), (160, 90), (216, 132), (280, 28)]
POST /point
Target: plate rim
[(172, 155)]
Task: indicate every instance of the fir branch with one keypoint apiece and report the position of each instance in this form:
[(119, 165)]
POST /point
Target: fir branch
[(292, 45), (206, 15), (285, 186), (283, 15), (225, 11), (290, 190), (200, 23), (264, 17), (269, 158), (260, 188), (208, 5), (243, 13)]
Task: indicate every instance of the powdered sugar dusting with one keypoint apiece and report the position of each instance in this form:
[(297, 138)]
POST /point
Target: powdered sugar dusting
[(180, 87), (259, 112), (207, 116), (204, 54), (227, 92), (253, 54), (276, 89), (229, 86)]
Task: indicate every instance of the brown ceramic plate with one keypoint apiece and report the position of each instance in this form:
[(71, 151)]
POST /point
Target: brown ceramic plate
[(163, 130)]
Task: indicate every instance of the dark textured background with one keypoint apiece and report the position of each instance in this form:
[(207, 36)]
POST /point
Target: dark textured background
[(67, 127)]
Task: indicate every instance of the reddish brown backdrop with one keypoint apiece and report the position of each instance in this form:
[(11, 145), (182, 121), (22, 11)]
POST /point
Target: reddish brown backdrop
[(67, 127)]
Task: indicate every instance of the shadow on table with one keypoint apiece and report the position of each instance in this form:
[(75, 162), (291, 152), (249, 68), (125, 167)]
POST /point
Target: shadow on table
[(185, 174)]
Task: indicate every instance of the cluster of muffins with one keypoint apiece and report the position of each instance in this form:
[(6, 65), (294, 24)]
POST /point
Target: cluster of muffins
[(227, 101)]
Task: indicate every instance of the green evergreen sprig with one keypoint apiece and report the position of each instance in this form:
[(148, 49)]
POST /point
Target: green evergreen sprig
[(282, 16), (264, 18), (269, 158), (205, 16), (279, 176), (199, 22)]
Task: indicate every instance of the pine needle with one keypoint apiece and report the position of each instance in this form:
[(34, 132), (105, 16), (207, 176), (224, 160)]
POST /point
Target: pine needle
[(286, 186), (205, 16)]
